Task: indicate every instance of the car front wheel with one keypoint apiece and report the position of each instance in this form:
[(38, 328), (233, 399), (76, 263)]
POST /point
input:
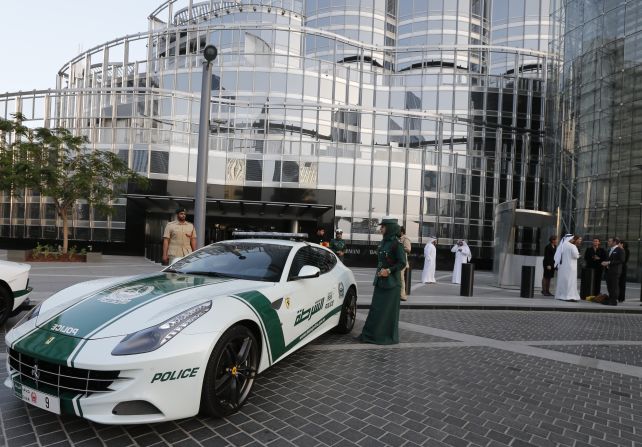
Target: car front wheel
[(230, 372), (348, 312)]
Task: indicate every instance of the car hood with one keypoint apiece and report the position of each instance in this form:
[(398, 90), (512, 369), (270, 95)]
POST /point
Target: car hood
[(127, 306)]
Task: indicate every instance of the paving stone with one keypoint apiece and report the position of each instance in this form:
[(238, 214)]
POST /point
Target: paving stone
[(120, 441), (240, 439)]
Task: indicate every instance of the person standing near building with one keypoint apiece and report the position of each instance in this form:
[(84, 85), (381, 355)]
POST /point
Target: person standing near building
[(549, 265), (614, 270), (407, 248), (382, 323), (462, 256), (338, 245), (320, 237), (430, 262), (594, 256), (625, 249), (179, 238), (566, 257)]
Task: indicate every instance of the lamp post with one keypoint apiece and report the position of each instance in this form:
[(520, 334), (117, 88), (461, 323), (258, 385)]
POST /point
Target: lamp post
[(209, 53)]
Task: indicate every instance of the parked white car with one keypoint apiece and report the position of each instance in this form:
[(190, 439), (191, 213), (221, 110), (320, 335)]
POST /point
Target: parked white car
[(191, 338), (14, 287)]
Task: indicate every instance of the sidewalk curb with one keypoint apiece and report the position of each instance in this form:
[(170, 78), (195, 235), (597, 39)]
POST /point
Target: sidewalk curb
[(606, 309)]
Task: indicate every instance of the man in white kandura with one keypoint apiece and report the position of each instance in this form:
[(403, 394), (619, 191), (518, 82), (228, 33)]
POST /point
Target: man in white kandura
[(566, 257), (430, 262), (462, 256)]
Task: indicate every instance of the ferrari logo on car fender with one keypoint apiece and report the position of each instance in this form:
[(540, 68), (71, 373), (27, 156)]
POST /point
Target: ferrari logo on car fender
[(175, 375)]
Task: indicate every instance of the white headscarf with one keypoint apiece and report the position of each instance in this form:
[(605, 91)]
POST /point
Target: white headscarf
[(558, 251), (429, 242)]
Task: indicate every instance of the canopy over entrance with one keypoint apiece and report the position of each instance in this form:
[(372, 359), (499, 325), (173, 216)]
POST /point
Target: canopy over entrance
[(232, 208)]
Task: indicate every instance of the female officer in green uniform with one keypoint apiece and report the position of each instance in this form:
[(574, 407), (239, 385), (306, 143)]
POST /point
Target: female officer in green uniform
[(382, 324)]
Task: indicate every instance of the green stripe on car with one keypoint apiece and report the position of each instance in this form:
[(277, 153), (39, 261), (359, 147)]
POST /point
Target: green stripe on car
[(312, 328), (271, 324), (112, 303), (270, 319), (198, 282), (71, 328), (19, 293), (48, 346)]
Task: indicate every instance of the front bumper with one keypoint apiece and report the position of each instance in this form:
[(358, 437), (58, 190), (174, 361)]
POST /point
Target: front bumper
[(153, 387), (21, 297)]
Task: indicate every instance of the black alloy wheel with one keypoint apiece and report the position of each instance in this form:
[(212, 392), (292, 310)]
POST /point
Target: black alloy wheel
[(230, 373), (6, 305), (348, 312)]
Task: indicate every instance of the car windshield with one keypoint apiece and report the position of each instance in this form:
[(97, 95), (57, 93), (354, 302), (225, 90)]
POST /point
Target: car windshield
[(243, 260)]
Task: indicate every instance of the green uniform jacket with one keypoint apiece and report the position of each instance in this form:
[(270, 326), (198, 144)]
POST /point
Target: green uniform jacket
[(382, 324), (337, 245), (390, 255)]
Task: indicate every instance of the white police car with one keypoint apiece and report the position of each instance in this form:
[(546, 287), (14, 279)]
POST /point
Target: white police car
[(190, 338), (14, 287)]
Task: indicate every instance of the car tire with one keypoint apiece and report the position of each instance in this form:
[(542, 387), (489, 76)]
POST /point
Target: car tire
[(6, 305), (230, 373), (348, 312)]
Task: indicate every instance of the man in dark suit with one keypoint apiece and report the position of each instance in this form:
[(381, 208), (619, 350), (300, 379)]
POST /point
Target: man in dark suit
[(594, 257), (614, 270), (549, 265)]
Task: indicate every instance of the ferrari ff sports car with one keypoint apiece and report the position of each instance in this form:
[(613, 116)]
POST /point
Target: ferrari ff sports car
[(14, 288), (191, 338)]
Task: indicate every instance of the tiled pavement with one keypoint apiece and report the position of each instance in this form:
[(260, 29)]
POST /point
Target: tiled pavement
[(429, 391), (459, 378)]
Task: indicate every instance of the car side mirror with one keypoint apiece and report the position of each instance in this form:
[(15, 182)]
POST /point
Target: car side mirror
[(308, 271)]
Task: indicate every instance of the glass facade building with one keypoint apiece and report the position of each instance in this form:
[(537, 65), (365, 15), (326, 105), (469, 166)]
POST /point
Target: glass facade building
[(331, 112), (596, 130)]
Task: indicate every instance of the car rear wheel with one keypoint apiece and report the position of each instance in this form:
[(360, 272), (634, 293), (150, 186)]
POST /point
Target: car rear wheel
[(230, 372), (348, 312), (6, 305)]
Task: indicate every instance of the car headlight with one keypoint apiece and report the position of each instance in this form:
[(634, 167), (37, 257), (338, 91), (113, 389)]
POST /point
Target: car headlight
[(33, 313), (152, 338)]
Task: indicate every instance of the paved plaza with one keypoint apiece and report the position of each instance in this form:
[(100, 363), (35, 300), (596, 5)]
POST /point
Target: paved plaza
[(485, 370)]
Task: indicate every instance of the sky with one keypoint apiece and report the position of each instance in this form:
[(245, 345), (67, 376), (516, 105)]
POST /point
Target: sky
[(39, 36)]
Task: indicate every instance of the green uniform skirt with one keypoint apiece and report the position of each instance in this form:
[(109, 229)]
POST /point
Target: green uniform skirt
[(382, 324)]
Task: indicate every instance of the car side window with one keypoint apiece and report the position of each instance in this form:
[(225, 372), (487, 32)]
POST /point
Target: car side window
[(316, 257), (302, 257), (324, 260)]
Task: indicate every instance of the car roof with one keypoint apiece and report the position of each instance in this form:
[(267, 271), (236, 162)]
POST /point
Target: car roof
[(285, 242)]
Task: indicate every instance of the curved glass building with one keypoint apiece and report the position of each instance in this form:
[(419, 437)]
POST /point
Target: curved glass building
[(596, 127), (324, 112)]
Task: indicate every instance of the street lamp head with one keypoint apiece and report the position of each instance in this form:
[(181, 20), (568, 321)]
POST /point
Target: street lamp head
[(210, 52)]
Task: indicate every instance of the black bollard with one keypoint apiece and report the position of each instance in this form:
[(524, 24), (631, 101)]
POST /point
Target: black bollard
[(528, 281), (467, 279), (408, 279), (588, 283)]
